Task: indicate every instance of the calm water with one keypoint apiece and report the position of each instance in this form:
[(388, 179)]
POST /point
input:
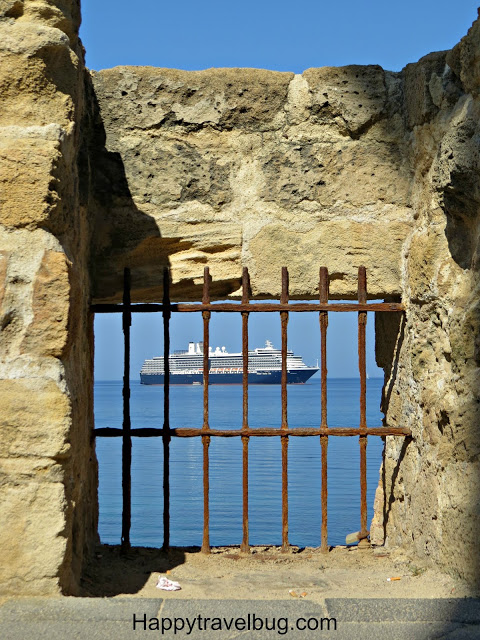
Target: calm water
[(304, 469)]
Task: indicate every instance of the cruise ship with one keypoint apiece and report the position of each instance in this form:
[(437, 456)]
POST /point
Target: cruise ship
[(264, 367)]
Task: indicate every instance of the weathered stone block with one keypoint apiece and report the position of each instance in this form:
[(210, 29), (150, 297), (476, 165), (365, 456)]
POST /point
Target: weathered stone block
[(33, 547), (248, 99), (341, 245), (34, 419), (353, 98), (260, 167), (47, 335), (44, 491), (27, 186), (29, 95)]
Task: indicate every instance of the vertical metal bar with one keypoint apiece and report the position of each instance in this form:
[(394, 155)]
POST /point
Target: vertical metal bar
[(206, 439), (324, 293), (362, 322), (284, 439), (166, 409), (245, 439), (127, 440)]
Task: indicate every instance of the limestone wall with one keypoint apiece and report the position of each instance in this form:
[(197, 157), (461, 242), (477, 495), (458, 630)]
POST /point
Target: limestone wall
[(432, 488), (146, 167), (235, 167), (47, 463)]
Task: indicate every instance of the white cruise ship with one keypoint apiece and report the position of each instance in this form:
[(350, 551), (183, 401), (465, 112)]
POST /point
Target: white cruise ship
[(264, 367)]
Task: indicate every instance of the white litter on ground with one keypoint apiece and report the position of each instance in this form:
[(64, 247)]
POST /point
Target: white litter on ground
[(167, 585)]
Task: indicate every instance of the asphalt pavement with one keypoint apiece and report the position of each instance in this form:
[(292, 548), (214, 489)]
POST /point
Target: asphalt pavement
[(72, 618)]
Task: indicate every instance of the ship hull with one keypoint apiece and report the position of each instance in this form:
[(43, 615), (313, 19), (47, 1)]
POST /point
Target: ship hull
[(264, 377)]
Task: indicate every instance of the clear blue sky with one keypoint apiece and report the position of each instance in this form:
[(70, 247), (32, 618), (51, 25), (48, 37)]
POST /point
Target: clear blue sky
[(285, 36), (303, 338), (281, 35)]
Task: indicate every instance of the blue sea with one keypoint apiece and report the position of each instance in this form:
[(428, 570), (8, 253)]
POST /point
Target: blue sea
[(304, 468)]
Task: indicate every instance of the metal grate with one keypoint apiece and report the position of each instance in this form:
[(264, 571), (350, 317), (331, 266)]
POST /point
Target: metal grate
[(323, 307)]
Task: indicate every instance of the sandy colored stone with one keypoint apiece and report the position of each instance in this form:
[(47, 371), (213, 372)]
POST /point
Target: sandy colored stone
[(377, 534), (268, 574), (34, 419), (260, 166), (47, 495), (62, 14), (342, 245), (3, 275), (226, 98), (28, 93), (27, 186), (353, 97), (25, 469), (59, 14), (11, 8), (47, 335), (425, 250), (33, 519), (433, 388), (328, 174), (422, 93)]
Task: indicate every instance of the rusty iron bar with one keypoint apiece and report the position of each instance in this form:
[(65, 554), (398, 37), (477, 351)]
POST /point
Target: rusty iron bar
[(245, 547), (284, 426), (362, 366), (246, 307), (126, 431), (323, 317), (302, 432), (206, 438), (166, 409), (228, 307)]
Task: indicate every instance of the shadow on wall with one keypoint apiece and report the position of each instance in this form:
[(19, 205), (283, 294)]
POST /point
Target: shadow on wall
[(389, 338), (461, 200), (126, 236), (120, 226)]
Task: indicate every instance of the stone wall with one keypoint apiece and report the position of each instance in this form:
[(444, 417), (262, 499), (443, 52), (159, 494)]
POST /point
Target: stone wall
[(47, 463), (145, 168), (235, 167), (432, 487)]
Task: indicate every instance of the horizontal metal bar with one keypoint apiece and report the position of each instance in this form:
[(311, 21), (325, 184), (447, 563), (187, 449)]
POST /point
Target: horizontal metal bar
[(146, 432), (272, 307)]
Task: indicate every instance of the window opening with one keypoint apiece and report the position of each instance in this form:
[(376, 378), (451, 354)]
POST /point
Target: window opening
[(245, 431)]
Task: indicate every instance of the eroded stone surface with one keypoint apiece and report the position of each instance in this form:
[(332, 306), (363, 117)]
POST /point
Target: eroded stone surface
[(265, 153), (47, 334), (33, 522), (25, 180), (47, 465), (431, 483), (34, 419)]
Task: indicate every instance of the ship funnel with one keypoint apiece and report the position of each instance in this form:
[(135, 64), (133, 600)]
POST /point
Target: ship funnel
[(191, 347)]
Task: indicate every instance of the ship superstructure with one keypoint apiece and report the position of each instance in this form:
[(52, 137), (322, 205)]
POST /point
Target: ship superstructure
[(264, 367)]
